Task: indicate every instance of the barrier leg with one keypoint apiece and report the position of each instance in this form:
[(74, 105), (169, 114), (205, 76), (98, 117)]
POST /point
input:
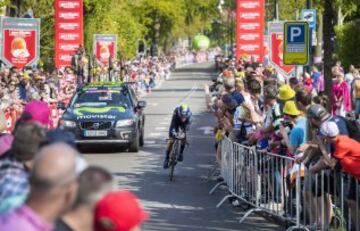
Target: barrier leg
[(216, 186), (248, 213), (223, 200)]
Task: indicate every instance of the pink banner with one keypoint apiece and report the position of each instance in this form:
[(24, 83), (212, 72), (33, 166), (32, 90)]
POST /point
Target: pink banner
[(250, 28), (68, 30)]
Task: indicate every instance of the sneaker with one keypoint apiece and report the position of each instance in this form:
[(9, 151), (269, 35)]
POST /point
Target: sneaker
[(180, 157), (166, 164)]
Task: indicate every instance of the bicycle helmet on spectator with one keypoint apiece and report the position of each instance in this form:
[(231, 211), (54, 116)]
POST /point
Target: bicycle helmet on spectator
[(317, 111), (184, 111)]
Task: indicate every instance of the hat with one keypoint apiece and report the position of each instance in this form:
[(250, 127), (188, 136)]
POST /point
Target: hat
[(329, 129), (316, 111), (38, 112), (286, 92), (119, 211), (291, 109)]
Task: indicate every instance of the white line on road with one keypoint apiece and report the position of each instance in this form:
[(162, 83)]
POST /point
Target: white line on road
[(156, 134), (149, 142), (191, 92), (160, 128), (164, 123)]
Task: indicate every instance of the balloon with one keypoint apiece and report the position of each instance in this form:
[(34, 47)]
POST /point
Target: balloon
[(200, 42)]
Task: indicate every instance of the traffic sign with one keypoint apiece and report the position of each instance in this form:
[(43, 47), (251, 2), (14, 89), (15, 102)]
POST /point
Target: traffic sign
[(309, 15), (276, 39), (296, 43)]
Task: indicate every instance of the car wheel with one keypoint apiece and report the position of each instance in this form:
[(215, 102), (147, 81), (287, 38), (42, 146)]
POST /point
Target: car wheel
[(141, 138), (134, 145), (142, 128)]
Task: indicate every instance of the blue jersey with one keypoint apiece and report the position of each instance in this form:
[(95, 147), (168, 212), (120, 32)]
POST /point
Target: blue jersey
[(176, 123)]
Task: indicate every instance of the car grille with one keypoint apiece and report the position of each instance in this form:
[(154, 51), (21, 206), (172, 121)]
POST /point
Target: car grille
[(96, 125)]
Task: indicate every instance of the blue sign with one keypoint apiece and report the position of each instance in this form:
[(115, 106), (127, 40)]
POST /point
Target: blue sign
[(309, 15), (296, 43), (295, 34)]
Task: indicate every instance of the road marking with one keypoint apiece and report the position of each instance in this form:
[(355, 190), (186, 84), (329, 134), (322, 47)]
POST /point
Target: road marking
[(160, 128), (156, 134), (149, 142), (207, 130), (164, 123), (191, 92)]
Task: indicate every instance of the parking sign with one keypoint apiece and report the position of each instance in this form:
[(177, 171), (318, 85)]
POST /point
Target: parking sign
[(296, 43)]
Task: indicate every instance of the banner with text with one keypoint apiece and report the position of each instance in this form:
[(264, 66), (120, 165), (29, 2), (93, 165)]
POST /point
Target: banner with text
[(250, 28), (104, 47), (68, 30), (20, 41)]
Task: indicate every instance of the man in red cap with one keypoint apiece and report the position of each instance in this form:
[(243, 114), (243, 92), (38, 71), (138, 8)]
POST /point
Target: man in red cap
[(119, 211)]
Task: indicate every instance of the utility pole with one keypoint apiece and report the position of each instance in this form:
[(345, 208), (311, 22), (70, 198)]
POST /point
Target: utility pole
[(276, 10), (308, 6)]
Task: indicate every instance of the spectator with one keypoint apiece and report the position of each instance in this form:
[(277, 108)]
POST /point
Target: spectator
[(53, 189), (315, 78), (16, 164), (119, 211), (341, 96), (94, 183), (356, 92), (349, 77), (298, 134), (346, 153)]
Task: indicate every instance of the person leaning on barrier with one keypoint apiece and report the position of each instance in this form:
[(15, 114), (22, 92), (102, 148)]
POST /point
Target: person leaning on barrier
[(317, 115), (94, 182), (346, 156), (298, 134)]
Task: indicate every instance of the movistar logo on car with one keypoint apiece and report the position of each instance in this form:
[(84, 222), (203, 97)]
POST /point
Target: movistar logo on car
[(96, 116)]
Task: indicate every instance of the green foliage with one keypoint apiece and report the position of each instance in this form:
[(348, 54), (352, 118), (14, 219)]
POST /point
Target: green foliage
[(347, 45), (44, 10)]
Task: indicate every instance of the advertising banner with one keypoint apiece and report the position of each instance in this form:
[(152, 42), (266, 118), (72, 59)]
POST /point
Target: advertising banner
[(68, 30), (104, 47), (250, 28), (20, 41), (276, 39)]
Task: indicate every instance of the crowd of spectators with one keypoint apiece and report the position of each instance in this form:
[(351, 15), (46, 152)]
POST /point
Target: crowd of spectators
[(256, 106), (20, 86), (47, 185)]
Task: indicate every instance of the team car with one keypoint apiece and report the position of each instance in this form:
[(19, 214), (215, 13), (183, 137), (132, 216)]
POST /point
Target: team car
[(106, 113)]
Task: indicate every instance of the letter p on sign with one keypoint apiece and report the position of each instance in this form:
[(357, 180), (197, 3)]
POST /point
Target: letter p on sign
[(294, 32)]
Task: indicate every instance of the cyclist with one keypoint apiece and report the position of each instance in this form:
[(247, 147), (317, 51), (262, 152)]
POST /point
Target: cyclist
[(181, 120)]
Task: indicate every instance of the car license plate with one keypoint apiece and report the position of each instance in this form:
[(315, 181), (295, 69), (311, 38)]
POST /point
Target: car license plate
[(95, 133)]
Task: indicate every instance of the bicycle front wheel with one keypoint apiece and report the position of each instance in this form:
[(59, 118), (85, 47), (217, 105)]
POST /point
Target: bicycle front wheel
[(173, 157)]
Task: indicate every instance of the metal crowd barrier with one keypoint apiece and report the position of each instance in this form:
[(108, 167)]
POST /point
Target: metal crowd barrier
[(276, 185)]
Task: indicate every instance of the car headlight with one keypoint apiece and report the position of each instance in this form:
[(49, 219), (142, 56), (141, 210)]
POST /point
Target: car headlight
[(68, 124), (124, 123)]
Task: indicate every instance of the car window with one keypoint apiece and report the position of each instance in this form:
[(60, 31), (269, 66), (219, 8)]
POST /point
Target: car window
[(101, 98)]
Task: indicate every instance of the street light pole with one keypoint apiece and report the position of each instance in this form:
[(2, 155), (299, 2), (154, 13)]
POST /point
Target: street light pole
[(276, 11)]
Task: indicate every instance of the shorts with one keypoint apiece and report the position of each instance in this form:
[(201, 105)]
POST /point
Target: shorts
[(331, 183), (352, 193)]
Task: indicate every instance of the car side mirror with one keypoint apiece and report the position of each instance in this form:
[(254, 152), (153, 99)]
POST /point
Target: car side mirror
[(61, 106), (141, 104)]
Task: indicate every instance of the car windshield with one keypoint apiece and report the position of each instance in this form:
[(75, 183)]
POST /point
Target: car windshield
[(101, 98)]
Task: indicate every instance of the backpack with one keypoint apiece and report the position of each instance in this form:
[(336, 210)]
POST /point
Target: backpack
[(353, 127)]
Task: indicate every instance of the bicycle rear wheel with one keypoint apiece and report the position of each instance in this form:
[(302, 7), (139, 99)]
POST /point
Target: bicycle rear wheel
[(172, 162)]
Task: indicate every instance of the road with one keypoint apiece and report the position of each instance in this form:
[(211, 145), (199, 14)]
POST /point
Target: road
[(185, 203)]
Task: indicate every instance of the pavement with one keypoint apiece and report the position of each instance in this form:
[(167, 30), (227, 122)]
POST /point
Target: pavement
[(185, 203)]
